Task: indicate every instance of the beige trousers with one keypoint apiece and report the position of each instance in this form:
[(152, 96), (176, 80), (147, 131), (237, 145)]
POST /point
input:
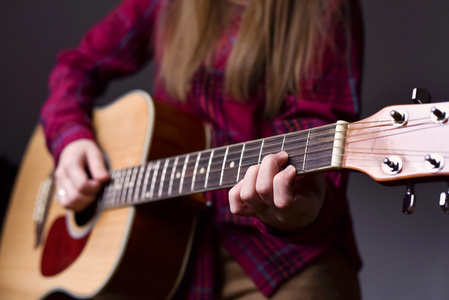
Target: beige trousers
[(330, 277)]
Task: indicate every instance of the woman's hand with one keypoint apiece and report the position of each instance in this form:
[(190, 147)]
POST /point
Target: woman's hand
[(278, 198), (80, 174)]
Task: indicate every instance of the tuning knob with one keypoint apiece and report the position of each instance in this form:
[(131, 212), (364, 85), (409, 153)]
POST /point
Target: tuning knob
[(398, 117), (392, 165), (444, 201), (439, 114), (408, 203), (434, 162), (420, 96)]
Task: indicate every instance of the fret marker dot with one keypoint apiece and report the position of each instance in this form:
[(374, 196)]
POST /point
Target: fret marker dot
[(178, 175), (202, 170), (232, 164)]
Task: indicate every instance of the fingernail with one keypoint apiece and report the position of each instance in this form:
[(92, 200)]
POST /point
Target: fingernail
[(283, 154), (291, 168)]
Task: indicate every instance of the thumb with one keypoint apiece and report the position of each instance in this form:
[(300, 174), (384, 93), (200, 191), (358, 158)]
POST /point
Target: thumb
[(96, 166)]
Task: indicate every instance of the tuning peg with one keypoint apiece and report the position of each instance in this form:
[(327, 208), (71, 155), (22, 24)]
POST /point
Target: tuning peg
[(420, 96), (444, 201), (408, 203)]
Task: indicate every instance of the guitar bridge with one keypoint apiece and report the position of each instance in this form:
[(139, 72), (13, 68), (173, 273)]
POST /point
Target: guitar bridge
[(41, 207)]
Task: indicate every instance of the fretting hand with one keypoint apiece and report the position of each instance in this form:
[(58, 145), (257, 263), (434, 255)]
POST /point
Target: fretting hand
[(278, 198)]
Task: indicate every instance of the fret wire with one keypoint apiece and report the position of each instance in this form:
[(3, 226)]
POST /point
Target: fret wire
[(146, 179), (132, 183), (215, 170), (153, 180), (129, 184), (305, 151), (317, 159), (126, 185), (208, 168), (223, 166), (301, 154), (195, 170), (183, 172), (172, 175), (139, 182), (120, 186), (283, 142), (240, 162), (124, 188), (260, 152), (290, 134), (161, 181), (299, 133), (114, 187)]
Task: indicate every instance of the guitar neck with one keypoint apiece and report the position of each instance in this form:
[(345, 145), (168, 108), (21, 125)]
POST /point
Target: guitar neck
[(311, 150)]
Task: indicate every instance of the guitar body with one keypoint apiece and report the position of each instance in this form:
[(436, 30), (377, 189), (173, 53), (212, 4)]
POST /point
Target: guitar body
[(130, 252)]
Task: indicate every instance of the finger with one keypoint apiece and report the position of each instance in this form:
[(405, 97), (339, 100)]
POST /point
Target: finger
[(79, 190), (74, 200), (268, 169), (80, 181), (97, 167), (236, 204), (283, 187), (248, 192)]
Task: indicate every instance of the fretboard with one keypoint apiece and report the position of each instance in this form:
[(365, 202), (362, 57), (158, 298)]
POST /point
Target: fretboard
[(312, 150)]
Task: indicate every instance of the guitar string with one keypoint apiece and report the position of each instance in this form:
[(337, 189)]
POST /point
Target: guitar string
[(213, 169), (383, 123), (257, 149), (291, 141)]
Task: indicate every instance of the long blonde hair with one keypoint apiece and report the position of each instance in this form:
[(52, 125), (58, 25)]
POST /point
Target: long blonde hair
[(279, 42)]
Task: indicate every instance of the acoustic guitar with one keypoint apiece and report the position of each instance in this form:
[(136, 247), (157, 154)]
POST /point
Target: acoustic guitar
[(135, 242)]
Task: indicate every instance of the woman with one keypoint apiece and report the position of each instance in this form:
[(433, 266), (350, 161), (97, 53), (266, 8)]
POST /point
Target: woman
[(252, 69)]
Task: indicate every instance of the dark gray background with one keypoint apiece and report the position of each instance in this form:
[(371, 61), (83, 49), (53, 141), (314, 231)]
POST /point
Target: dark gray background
[(405, 257)]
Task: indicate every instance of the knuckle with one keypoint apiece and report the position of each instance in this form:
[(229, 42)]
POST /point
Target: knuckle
[(246, 195), (59, 172), (233, 208), (282, 179), (252, 169), (263, 187), (279, 179), (268, 158), (232, 194)]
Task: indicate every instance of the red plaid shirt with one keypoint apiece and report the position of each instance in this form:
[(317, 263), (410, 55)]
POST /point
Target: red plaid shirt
[(124, 41)]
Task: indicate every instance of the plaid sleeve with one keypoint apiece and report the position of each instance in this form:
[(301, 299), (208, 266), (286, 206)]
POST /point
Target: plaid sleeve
[(117, 46)]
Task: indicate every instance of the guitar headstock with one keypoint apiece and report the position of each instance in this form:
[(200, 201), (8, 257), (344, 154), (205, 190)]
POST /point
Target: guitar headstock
[(401, 142)]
